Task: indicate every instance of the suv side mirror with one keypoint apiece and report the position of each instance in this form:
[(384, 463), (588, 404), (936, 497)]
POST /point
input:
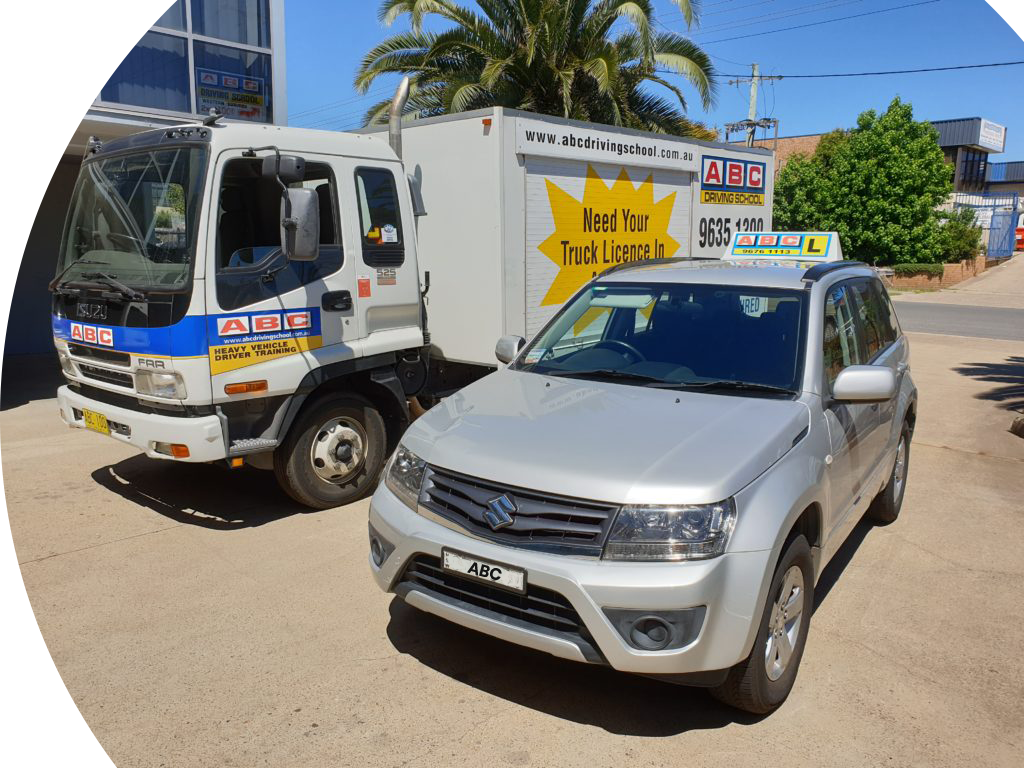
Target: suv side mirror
[(508, 347), (865, 384), (300, 224)]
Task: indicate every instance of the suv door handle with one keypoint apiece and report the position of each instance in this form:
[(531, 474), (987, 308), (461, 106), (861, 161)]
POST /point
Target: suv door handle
[(336, 301)]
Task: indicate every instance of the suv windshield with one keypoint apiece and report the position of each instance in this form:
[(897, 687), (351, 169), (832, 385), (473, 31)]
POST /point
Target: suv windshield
[(710, 337), (132, 220)]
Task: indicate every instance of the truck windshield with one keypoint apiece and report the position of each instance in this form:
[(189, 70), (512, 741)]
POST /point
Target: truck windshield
[(133, 220), (711, 337)]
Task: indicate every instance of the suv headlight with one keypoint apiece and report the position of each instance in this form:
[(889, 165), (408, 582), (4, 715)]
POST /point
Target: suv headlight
[(683, 532), (405, 475), (166, 385)]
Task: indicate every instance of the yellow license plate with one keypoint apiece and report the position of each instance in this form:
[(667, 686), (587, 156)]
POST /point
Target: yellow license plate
[(97, 422)]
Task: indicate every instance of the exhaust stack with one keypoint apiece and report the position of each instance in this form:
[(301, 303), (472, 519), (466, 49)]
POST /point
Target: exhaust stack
[(395, 116)]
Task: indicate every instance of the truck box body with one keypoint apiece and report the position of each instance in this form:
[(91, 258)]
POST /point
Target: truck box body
[(523, 209)]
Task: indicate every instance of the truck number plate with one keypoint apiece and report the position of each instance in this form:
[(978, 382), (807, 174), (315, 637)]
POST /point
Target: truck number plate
[(495, 574), (97, 422)]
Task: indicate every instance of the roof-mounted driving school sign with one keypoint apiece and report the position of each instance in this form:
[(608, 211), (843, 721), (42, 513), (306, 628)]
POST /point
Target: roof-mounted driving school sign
[(784, 248)]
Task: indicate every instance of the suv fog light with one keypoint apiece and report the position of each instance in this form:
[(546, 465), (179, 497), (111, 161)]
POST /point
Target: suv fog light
[(657, 630), (380, 548)]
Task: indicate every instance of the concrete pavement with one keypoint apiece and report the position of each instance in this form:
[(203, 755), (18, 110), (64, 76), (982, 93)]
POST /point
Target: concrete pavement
[(199, 618)]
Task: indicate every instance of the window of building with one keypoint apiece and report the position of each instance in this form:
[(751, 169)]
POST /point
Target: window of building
[(233, 81), (45, 52), (250, 264), (154, 74), (170, 13), (240, 21), (380, 217)]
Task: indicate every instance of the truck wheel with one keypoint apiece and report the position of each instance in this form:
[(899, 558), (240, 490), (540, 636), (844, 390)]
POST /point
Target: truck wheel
[(761, 682), (885, 507), (333, 453)]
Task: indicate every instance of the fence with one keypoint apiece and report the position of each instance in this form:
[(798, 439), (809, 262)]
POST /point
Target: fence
[(997, 216)]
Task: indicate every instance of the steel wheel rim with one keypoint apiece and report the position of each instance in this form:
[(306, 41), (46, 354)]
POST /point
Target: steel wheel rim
[(338, 450), (899, 471), (784, 623)]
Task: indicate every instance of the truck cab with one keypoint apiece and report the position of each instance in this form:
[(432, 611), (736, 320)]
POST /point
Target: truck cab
[(220, 288)]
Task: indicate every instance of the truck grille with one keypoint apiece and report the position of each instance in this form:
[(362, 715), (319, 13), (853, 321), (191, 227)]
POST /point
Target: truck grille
[(540, 521), (110, 377), (104, 355), (539, 609)]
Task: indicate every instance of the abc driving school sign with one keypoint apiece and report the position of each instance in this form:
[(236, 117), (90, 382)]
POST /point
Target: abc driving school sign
[(725, 181)]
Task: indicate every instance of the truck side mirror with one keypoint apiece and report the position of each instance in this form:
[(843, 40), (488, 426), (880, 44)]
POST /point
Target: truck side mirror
[(865, 384), (300, 224), (508, 347), (290, 169)]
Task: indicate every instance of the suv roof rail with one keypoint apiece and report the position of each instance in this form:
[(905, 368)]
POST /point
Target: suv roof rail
[(648, 262), (818, 271)]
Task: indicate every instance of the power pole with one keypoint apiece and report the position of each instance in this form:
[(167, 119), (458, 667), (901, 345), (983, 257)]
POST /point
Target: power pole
[(751, 124)]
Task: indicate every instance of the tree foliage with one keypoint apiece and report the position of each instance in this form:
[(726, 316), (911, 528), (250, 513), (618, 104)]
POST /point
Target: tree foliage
[(959, 235), (878, 185), (555, 57)]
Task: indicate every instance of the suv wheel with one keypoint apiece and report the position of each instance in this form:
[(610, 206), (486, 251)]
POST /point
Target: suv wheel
[(761, 682), (885, 507), (334, 452)]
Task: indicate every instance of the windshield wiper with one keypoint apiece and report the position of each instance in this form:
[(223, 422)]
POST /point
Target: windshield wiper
[(609, 373), (117, 285), (742, 386), (56, 281)]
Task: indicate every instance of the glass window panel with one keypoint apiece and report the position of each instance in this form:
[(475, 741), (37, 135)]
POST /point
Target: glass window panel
[(169, 13), (841, 343), (240, 21), (43, 51), (233, 81), (154, 74)]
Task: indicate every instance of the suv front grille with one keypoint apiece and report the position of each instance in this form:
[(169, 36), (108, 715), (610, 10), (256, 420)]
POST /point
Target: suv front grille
[(540, 521), (538, 609), (110, 377)]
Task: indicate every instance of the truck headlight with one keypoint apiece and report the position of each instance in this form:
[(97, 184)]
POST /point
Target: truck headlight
[(166, 385), (683, 532), (404, 476)]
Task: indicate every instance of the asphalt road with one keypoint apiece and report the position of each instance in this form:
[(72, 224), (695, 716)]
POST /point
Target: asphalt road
[(961, 320)]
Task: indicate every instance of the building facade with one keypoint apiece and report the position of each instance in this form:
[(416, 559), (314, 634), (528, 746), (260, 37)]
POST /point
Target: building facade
[(200, 55)]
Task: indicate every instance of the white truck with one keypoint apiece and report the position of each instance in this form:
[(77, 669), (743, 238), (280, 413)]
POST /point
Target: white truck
[(275, 297)]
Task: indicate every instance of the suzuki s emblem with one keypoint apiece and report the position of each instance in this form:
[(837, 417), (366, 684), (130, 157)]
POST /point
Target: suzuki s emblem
[(499, 512), (92, 311)]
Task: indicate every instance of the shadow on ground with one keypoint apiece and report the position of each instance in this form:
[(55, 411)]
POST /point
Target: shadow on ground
[(205, 495), (1008, 376), (29, 377), (586, 694)]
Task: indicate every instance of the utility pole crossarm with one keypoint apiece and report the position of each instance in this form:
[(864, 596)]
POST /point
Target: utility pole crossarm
[(751, 123)]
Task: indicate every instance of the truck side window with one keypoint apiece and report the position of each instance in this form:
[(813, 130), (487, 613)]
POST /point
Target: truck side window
[(250, 264), (842, 345), (379, 218)]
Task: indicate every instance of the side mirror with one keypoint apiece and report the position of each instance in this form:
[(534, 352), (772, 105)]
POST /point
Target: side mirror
[(865, 384), (290, 169), (300, 224), (508, 347)]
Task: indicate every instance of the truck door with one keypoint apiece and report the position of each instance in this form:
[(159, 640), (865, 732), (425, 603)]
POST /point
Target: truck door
[(271, 319)]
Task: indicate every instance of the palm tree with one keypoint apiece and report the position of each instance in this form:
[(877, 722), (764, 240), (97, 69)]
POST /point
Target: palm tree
[(555, 57)]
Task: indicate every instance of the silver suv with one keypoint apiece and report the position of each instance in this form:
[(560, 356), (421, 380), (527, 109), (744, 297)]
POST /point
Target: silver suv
[(656, 482)]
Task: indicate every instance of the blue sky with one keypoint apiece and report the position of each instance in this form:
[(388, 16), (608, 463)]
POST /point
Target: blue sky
[(326, 39)]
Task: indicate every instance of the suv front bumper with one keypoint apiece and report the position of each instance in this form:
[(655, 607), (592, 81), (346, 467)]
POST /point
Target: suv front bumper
[(730, 587)]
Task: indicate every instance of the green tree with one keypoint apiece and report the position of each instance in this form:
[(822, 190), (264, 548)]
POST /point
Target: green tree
[(959, 235), (878, 185), (555, 57)]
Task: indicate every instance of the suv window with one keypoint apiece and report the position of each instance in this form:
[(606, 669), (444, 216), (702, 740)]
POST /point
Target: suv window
[(249, 235), (842, 343), (379, 217), (875, 318)]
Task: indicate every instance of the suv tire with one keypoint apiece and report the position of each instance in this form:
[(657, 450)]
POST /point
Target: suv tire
[(334, 452), (760, 683), (885, 507)]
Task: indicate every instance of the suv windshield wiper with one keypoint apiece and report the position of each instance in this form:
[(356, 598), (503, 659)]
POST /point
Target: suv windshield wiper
[(742, 386), (608, 373), (117, 285)]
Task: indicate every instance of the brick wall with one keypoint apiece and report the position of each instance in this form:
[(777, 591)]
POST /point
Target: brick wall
[(951, 275)]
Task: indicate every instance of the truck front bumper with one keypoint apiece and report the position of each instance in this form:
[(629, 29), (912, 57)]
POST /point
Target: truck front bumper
[(729, 588), (203, 435)]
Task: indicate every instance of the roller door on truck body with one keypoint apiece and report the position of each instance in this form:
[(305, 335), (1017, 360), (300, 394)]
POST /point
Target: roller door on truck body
[(584, 216)]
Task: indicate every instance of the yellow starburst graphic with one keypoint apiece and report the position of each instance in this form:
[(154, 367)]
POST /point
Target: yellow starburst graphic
[(611, 225)]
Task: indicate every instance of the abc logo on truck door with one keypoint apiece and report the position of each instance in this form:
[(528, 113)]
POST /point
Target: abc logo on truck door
[(724, 181)]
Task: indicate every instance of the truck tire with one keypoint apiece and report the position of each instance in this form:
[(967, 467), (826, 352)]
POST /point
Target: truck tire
[(760, 683), (885, 507), (334, 452)]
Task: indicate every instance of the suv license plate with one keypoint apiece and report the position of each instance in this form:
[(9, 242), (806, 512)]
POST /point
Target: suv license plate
[(97, 422), (496, 574)]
